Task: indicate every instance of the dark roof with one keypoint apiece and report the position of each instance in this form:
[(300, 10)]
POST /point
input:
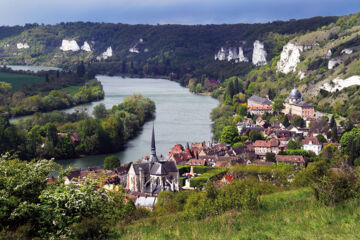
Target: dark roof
[(295, 94), (143, 166), (260, 100), (162, 168)]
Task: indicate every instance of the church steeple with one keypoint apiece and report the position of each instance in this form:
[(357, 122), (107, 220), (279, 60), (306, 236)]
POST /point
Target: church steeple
[(153, 157)]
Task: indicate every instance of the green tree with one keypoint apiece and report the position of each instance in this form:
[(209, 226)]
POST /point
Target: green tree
[(99, 111), (294, 144), (298, 121), (230, 135), (51, 133), (321, 138), (286, 122), (278, 104), (350, 144), (255, 135), (270, 157), (111, 162)]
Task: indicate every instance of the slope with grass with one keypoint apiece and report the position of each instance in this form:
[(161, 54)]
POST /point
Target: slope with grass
[(18, 80), (285, 215)]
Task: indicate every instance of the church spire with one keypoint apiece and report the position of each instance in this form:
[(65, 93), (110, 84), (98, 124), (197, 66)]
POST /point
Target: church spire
[(153, 157), (153, 148)]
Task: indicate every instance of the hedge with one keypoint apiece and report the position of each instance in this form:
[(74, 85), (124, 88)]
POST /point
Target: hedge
[(212, 173)]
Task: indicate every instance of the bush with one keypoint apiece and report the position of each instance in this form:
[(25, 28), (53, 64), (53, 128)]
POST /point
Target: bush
[(90, 228), (112, 162), (337, 186)]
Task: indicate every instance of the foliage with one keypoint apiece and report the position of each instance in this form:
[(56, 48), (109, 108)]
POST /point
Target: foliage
[(111, 162), (270, 157), (230, 135), (350, 144), (255, 135), (99, 111)]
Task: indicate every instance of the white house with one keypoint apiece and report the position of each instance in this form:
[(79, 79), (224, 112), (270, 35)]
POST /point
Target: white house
[(312, 144)]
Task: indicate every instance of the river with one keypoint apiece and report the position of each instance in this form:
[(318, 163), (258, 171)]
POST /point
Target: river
[(181, 117)]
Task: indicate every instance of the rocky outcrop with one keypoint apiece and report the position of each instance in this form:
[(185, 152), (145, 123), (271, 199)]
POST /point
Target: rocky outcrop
[(86, 47), (328, 54), (347, 51), (105, 55), (22, 45), (69, 45), (231, 54), (333, 63), (259, 54), (301, 75), (338, 84), (289, 58), (134, 50)]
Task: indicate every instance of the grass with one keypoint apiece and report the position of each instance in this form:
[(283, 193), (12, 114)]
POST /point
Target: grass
[(18, 80), (71, 90), (285, 215)]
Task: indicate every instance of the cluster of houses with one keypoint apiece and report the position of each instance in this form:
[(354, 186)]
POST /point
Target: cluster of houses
[(143, 180)]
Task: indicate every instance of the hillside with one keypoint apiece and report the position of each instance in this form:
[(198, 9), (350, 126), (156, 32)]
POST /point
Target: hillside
[(149, 49), (324, 64), (285, 215)]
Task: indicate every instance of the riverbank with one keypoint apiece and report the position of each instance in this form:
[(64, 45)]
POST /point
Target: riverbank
[(180, 117)]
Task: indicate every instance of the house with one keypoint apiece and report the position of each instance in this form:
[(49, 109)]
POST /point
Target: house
[(259, 106), (152, 176), (294, 105), (196, 162), (247, 125), (312, 144), (290, 159), (262, 147), (246, 151)]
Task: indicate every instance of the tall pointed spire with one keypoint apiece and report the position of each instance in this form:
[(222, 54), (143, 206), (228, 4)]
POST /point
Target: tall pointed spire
[(153, 157), (153, 147)]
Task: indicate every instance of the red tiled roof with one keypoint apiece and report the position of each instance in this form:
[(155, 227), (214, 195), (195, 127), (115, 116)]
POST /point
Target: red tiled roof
[(261, 143), (313, 139), (290, 158)]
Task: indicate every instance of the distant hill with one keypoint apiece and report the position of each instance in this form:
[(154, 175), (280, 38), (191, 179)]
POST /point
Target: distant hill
[(167, 50), (324, 64)]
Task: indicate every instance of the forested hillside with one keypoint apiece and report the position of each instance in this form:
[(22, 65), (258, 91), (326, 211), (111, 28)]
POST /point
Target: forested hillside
[(167, 50)]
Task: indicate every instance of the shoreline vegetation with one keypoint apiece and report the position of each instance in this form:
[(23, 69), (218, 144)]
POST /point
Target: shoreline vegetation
[(25, 93), (61, 135)]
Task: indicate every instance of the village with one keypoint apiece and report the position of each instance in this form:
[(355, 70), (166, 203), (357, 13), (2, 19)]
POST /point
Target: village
[(190, 166)]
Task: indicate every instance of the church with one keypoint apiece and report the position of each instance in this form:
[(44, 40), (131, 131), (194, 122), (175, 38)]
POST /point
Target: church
[(294, 105), (153, 175)]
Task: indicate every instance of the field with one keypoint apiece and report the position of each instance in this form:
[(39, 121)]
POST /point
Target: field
[(71, 90), (18, 80), (285, 215)]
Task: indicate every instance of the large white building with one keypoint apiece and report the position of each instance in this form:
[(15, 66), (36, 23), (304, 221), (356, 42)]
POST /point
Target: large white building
[(153, 175), (312, 144)]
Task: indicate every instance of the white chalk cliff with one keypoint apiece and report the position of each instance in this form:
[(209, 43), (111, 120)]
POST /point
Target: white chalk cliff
[(339, 84), (105, 55), (347, 51), (86, 47), (134, 50), (333, 63), (69, 45), (259, 54), (22, 45), (289, 58), (231, 53)]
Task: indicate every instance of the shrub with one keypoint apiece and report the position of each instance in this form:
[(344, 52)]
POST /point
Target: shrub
[(337, 186), (111, 162)]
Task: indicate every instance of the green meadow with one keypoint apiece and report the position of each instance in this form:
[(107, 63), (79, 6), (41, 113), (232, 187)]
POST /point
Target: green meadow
[(18, 80), (285, 215)]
